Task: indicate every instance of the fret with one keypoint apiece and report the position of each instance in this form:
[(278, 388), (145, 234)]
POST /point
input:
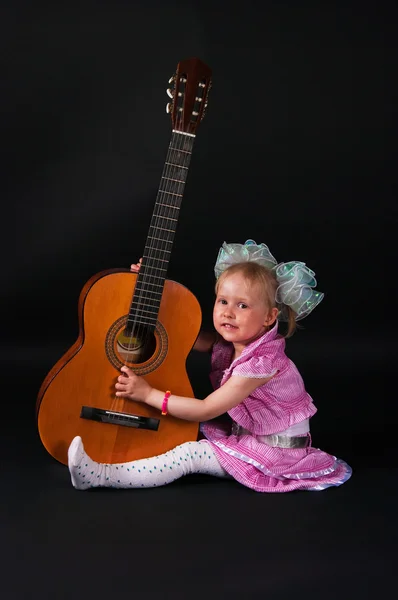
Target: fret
[(150, 291), (160, 240), (168, 205), (143, 322), (150, 283), (148, 303), (168, 218), (179, 150), (162, 228), (153, 258), (158, 249), (152, 267), (155, 277), (183, 159), (163, 211), (178, 166), (170, 193), (171, 179), (139, 316), (151, 312)]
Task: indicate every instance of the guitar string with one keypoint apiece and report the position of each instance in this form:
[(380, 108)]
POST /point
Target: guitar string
[(151, 263), (177, 144), (161, 246), (146, 294), (166, 207)]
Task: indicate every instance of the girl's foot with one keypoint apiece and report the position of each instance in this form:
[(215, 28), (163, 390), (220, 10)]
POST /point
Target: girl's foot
[(85, 473)]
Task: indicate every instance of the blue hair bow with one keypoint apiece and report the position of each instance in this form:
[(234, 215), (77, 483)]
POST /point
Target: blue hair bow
[(296, 280)]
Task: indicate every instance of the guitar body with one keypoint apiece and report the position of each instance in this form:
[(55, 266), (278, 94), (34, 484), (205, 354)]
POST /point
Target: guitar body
[(86, 375)]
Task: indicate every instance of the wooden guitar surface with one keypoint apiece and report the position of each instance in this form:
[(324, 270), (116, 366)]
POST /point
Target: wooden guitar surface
[(86, 374)]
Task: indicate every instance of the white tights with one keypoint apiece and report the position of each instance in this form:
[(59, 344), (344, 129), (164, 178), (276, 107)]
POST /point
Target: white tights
[(191, 457)]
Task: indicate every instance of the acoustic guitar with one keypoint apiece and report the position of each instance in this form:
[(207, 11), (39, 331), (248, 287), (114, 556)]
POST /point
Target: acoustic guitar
[(144, 321)]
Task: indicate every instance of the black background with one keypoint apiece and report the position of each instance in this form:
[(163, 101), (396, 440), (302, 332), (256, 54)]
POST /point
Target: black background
[(297, 150)]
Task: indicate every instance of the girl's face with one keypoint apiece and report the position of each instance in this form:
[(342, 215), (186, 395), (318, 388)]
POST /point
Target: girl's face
[(241, 313)]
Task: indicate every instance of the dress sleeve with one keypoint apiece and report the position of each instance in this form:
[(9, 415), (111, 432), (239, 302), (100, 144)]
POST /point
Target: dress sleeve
[(256, 367)]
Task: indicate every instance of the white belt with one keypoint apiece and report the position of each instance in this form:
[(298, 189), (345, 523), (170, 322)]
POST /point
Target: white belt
[(285, 441), (276, 440)]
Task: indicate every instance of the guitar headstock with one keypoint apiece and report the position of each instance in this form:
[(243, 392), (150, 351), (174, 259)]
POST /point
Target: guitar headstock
[(189, 91)]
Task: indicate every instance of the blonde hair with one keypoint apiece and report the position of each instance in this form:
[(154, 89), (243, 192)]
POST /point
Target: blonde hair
[(255, 273)]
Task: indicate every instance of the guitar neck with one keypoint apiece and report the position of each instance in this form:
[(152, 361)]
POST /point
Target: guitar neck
[(159, 243)]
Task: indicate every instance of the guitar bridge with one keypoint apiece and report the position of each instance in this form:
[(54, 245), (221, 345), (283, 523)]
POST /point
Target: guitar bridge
[(118, 418)]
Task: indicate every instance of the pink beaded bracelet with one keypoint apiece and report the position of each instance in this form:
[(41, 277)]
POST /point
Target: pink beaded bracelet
[(165, 401)]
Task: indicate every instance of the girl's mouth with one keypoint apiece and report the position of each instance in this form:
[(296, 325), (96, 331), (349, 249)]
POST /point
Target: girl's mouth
[(228, 326)]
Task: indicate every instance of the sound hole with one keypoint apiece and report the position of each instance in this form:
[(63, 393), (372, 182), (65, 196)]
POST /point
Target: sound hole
[(138, 348), (136, 345)]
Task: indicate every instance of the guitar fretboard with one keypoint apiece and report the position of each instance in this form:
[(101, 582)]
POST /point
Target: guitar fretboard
[(144, 308)]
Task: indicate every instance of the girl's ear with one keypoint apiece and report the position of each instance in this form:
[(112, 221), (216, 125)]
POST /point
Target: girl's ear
[(271, 318)]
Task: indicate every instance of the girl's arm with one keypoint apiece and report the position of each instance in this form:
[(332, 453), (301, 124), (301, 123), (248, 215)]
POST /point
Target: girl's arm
[(229, 395)]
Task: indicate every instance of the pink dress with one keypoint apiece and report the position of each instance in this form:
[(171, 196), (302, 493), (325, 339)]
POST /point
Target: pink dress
[(276, 407)]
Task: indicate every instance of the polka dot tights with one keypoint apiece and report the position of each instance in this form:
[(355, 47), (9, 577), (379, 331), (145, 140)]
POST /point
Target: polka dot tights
[(191, 457)]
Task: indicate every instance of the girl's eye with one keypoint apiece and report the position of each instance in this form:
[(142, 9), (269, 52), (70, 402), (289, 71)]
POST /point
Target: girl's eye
[(222, 301), (242, 305)]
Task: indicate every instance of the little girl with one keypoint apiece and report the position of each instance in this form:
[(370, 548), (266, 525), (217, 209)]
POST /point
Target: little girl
[(266, 445)]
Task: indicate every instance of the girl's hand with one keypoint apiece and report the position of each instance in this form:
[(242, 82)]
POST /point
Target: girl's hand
[(129, 385), (135, 267)]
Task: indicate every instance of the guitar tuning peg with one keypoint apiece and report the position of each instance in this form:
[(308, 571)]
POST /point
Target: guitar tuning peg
[(169, 93), (172, 79), (169, 107)]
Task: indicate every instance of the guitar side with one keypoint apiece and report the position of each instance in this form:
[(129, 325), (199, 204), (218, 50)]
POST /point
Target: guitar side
[(86, 374)]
